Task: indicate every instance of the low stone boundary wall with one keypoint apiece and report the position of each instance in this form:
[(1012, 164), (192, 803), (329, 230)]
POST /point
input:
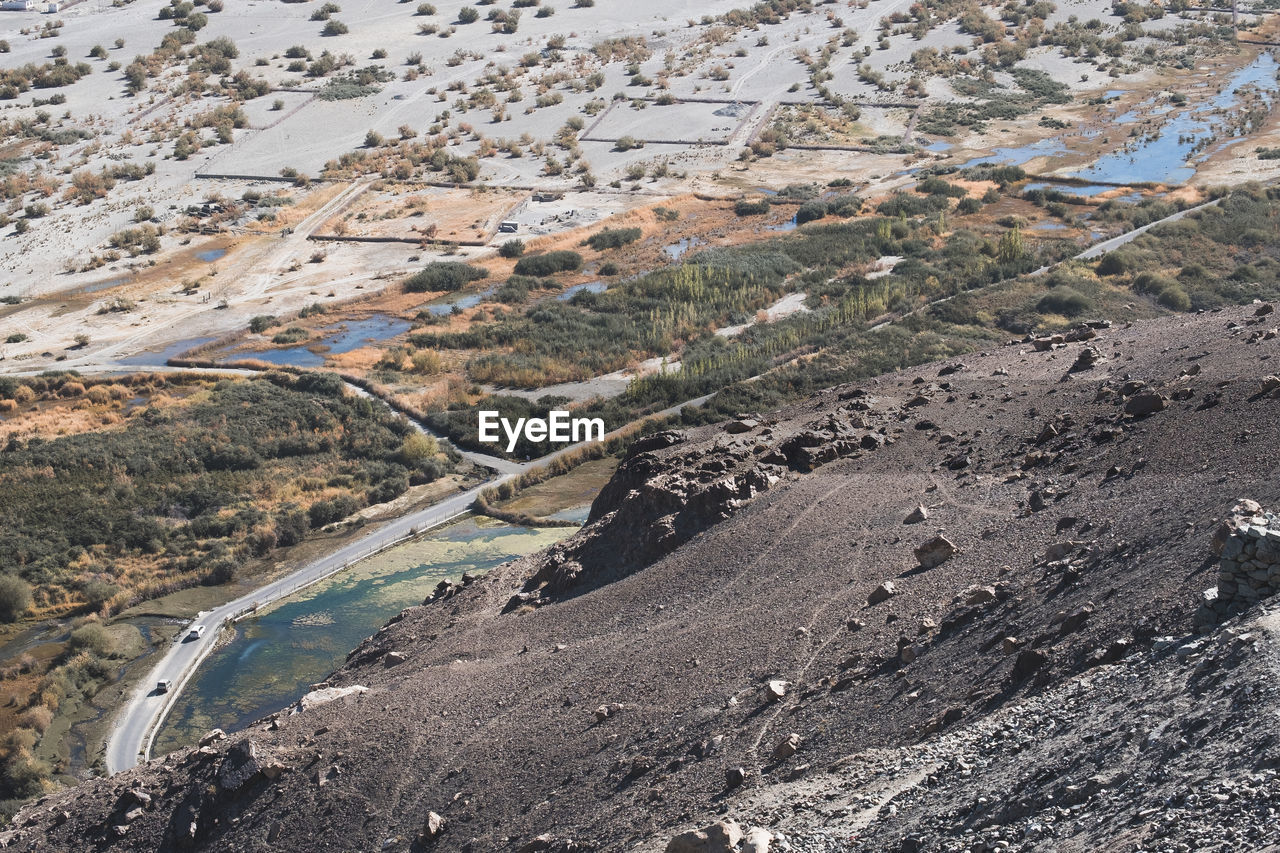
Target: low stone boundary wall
[(1249, 569)]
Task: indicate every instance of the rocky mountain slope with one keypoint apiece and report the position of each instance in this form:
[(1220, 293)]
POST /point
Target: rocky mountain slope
[(950, 609)]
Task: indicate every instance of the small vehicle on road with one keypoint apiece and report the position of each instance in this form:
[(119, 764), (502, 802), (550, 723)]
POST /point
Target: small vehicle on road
[(196, 632), (164, 685)]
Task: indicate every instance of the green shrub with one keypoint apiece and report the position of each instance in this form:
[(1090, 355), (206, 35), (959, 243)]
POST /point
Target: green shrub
[(844, 205), (1066, 301), (325, 512), (444, 275), (291, 335), (810, 211), (751, 206), (549, 263), (261, 323), (934, 185), (511, 248), (515, 290), (1116, 263), (612, 238), (1174, 298)]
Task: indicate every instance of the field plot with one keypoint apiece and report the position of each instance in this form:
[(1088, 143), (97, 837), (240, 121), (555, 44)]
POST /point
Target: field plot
[(685, 123), (305, 139)]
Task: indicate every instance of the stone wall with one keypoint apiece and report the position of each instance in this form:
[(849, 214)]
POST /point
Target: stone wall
[(1249, 571)]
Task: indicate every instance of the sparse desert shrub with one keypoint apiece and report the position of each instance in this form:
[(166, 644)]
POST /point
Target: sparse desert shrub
[(511, 248), (143, 240), (92, 638), (37, 719), (291, 335), (15, 597)]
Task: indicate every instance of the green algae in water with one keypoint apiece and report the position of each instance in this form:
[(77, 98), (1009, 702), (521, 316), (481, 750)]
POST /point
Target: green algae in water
[(278, 654)]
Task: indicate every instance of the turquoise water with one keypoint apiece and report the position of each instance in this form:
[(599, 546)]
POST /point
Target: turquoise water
[(276, 656)]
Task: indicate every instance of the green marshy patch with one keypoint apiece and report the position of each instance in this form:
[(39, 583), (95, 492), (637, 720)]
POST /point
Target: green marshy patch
[(278, 654)]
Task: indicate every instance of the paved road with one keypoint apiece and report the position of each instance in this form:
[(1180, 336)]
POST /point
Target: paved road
[(136, 725), (1099, 249)]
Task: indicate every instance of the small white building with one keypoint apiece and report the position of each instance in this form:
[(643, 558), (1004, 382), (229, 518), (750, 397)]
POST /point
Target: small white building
[(17, 5), (51, 8)]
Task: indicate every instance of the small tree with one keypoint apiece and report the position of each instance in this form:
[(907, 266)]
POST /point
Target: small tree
[(417, 449), (511, 249)]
